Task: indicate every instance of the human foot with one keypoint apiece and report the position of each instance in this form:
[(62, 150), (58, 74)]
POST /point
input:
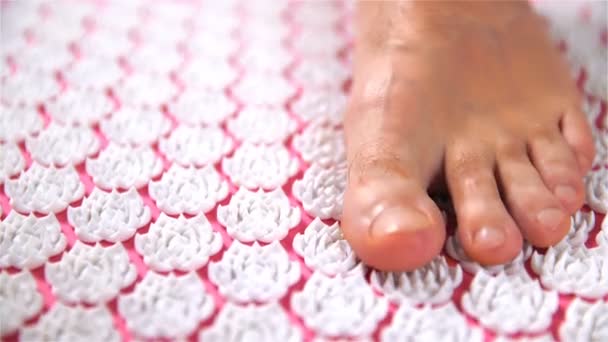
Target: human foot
[(471, 94)]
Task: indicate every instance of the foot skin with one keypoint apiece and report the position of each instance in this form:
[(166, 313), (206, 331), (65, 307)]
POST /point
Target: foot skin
[(474, 97)]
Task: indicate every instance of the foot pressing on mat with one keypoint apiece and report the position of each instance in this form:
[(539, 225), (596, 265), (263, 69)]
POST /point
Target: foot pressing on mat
[(472, 96)]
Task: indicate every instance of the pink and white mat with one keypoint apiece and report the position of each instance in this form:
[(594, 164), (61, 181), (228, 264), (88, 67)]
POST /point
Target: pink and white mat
[(174, 170)]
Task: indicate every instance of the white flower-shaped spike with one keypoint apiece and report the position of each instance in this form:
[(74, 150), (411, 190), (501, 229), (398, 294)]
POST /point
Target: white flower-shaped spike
[(597, 67), (254, 273), (592, 109), (111, 216), (208, 73), (11, 161), (160, 33), (93, 73), (443, 323), (433, 284), (343, 306), (166, 306), (28, 241), (317, 14), (145, 90), (90, 274), (321, 104), (154, 59), (214, 34), (29, 88), (188, 190), (44, 190), (178, 243), (118, 16), (597, 190), (547, 337), (259, 215), (20, 300), (196, 146), (258, 59), (131, 126), (585, 321), (581, 225), (267, 322), (318, 42), (602, 236), (204, 107), (265, 166), (265, 38), (580, 271), (72, 323), (59, 32), (324, 249), (600, 137), (321, 190), (82, 106), (320, 74), (18, 122), (321, 144), (124, 167), (264, 89), (62, 145), (104, 44), (262, 125), (510, 303)]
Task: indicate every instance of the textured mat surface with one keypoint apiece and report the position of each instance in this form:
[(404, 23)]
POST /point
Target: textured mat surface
[(175, 170)]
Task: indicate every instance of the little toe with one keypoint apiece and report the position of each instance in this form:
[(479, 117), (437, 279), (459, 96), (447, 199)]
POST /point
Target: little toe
[(577, 132), (538, 213), (558, 167), (487, 231)]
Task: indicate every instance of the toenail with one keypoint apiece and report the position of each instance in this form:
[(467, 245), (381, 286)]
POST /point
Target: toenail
[(565, 192), (551, 218), (489, 237), (395, 219)]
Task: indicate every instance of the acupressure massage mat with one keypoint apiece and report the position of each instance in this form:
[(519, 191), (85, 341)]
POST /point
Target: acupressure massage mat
[(175, 169)]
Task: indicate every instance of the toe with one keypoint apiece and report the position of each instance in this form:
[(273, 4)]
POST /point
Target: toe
[(488, 233), (538, 213), (558, 167), (389, 220), (577, 132), (388, 217)]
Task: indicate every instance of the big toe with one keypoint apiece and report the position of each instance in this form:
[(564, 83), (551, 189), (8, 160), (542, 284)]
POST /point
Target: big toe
[(391, 222), (388, 218)]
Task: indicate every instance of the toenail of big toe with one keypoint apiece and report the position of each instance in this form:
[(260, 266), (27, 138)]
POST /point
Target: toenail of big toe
[(489, 237), (398, 219), (565, 192), (551, 218)]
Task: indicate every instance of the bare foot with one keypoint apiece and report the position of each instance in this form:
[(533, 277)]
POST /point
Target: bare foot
[(475, 95)]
